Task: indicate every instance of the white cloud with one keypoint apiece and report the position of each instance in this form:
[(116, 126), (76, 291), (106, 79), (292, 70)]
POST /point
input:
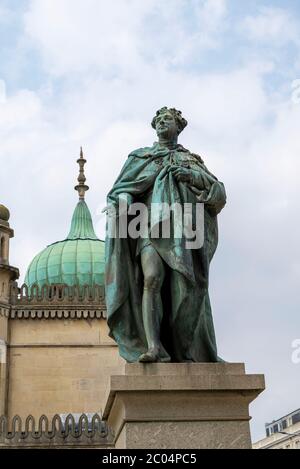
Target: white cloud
[(78, 35), (5, 14), (272, 25), (212, 13), (219, 101), (2, 92), (75, 34), (21, 110)]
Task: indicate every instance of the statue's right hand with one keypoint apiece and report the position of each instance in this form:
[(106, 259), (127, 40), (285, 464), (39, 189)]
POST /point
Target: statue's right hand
[(125, 198), (119, 207), (110, 210)]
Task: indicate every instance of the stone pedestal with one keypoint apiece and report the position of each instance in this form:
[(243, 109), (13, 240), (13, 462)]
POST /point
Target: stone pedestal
[(181, 406)]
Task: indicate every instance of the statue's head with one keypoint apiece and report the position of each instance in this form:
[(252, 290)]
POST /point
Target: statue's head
[(168, 123)]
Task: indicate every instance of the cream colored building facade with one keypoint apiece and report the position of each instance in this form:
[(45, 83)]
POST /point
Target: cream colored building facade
[(55, 352), (283, 433)]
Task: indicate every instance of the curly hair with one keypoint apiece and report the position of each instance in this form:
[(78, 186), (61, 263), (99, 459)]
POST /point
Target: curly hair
[(181, 122)]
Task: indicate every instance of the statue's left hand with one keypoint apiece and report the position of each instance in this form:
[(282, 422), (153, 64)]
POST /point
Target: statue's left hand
[(182, 174)]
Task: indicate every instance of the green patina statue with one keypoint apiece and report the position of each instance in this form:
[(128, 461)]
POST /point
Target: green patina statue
[(158, 306)]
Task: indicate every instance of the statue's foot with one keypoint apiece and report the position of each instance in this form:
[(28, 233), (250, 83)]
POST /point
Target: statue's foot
[(164, 357), (149, 357), (153, 357), (165, 360)]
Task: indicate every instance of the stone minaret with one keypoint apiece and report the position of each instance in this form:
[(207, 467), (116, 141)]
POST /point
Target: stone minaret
[(8, 274)]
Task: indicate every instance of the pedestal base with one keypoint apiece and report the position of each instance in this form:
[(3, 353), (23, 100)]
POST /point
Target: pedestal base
[(181, 406)]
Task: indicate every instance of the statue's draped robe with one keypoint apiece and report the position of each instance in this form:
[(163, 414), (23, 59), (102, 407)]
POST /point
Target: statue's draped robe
[(187, 330)]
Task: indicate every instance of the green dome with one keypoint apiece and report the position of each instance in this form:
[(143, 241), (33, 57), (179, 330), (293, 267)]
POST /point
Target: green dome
[(77, 260)]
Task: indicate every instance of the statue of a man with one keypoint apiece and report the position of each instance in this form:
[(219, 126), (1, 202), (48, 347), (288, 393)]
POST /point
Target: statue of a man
[(158, 307)]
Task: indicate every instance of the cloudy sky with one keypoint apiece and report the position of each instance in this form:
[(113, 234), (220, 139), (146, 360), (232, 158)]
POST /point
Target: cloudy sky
[(92, 73)]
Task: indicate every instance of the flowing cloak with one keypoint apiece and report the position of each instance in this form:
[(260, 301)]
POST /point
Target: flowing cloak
[(187, 330)]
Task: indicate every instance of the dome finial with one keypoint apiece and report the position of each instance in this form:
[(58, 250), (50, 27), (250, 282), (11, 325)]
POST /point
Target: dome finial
[(81, 188)]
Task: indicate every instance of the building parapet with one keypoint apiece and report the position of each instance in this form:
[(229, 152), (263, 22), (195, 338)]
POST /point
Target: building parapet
[(63, 294), (56, 302), (83, 430)]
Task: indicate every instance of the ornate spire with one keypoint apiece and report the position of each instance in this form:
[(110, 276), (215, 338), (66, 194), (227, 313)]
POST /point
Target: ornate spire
[(82, 224), (81, 188)]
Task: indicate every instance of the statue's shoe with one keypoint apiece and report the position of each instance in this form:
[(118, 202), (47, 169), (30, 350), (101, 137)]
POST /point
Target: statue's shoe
[(164, 357), (152, 356)]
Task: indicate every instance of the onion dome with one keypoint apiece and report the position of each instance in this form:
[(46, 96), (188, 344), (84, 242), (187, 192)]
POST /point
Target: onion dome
[(78, 259)]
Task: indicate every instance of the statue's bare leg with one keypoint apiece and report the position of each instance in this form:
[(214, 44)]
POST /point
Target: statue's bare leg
[(154, 273)]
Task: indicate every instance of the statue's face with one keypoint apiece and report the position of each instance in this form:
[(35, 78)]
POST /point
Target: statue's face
[(166, 126)]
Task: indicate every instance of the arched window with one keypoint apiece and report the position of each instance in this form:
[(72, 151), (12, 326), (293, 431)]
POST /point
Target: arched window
[(2, 247)]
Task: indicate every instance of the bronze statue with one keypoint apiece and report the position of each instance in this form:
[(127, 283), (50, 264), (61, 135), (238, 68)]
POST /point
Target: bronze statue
[(156, 287)]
